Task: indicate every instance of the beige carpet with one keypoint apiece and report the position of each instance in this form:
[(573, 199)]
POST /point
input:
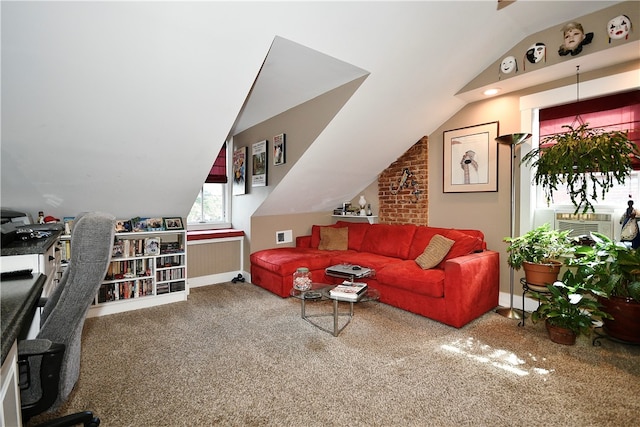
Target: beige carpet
[(236, 355)]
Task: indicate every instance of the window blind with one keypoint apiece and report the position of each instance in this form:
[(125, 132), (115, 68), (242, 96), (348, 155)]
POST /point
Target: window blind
[(613, 112), (218, 172)]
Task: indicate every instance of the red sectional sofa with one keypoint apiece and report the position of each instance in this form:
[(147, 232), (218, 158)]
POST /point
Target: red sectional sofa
[(462, 287)]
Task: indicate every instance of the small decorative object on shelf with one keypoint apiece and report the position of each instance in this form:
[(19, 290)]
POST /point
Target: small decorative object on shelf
[(363, 203), (302, 279), (369, 211)]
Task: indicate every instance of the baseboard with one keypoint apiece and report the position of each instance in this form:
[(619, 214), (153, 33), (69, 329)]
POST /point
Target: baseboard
[(211, 279), (530, 304)]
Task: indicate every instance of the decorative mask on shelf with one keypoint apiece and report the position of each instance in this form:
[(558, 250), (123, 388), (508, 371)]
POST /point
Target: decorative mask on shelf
[(536, 53), (574, 39), (508, 65), (619, 28)]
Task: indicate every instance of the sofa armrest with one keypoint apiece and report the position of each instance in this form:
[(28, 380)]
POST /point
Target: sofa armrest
[(472, 285), (303, 242)]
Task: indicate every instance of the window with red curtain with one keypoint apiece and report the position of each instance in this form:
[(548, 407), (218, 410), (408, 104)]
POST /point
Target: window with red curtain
[(218, 172), (613, 112)]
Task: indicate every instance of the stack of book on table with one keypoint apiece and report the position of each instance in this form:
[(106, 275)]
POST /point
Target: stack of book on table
[(350, 291)]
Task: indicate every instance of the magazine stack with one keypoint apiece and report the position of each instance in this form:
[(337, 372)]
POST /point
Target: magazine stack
[(348, 291)]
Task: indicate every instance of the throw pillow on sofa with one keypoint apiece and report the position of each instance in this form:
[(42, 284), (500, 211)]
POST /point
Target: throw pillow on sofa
[(436, 250), (334, 239)]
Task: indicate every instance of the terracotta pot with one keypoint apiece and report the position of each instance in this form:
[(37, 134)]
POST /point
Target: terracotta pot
[(541, 274), (625, 325), (560, 335)]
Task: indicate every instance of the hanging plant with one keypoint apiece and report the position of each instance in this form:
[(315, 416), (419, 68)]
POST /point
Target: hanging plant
[(588, 161)]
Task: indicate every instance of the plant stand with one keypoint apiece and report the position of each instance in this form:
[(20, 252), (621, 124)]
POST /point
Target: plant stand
[(601, 334), (528, 287)]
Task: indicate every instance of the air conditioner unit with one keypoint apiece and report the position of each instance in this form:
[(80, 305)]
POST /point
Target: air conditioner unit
[(585, 223)]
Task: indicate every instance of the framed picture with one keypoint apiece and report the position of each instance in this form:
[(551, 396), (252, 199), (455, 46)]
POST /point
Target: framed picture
[(139, 224), (152, 246), (154, 224), (471, 159), (279, 150), (123, 226), (173, 224), (240, 171), (259, 164)]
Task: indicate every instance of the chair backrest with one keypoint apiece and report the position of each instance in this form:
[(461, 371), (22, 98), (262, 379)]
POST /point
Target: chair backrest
[(66, 310)]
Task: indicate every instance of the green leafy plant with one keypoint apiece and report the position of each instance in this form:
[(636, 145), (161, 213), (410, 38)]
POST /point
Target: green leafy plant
[(540, 245), (610, 268), (588, 161), (568, 304)]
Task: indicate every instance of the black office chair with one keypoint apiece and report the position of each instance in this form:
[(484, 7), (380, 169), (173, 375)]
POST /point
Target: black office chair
[(49, 365)]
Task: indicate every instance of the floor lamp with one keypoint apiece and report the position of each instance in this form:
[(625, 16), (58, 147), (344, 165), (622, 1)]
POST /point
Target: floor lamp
[(513, 140)]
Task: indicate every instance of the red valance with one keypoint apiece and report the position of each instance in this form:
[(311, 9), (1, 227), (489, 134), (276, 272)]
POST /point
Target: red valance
[(613, 112), (218, 172)]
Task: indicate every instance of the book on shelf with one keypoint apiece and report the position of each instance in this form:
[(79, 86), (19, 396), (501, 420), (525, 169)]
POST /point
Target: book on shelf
[(351, 291)]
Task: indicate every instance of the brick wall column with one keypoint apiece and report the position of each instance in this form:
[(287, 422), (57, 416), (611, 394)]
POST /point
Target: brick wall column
[(402, 188)]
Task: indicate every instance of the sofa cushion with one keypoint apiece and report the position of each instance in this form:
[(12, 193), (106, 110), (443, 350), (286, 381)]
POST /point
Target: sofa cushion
[(391, 240), (409, 276), (435, 252), (364, 259), (464, 245), (357, 231), (421, 239), (333, 239), (284, 261)]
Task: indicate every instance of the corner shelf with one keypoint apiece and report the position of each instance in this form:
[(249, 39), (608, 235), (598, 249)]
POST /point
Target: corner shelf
[(373, 219)]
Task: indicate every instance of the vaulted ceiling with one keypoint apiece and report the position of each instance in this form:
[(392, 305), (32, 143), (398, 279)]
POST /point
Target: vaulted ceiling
[(96, 95)]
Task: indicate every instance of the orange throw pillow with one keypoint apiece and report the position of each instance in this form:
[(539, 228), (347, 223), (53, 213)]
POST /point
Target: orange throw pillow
[(334, 239), (436, 250)]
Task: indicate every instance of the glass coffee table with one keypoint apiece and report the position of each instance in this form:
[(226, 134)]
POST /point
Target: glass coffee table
[(320, 292)]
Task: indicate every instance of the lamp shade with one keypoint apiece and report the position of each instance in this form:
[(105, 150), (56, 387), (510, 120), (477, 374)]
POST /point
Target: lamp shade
[(513, 138)]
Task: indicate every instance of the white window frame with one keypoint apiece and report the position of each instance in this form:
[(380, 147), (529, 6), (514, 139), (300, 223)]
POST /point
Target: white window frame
[(226, 222)]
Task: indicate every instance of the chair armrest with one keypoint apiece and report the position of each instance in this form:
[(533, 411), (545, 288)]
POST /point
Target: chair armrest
[(33, 347), (50, 357)]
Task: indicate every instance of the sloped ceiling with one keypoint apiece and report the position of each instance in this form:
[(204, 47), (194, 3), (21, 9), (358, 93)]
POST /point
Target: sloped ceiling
[(122, 106)]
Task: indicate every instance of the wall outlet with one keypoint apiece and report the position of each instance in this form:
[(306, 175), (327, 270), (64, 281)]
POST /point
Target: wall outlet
[(285, 236)]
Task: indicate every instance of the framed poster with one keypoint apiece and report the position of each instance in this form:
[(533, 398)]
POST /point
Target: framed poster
[(471, 159), (240, 171), (279, 150), (259, 164)]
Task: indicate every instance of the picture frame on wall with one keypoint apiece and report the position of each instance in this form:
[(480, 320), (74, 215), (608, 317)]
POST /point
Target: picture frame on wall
[(279, 150), (471, 159), (259, 164), (239, 171)]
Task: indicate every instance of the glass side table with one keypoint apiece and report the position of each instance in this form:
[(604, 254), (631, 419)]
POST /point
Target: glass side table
[(320, 292)]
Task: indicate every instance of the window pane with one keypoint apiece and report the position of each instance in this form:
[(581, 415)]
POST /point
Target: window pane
[(617, 196), (209, 206), (213, 202)]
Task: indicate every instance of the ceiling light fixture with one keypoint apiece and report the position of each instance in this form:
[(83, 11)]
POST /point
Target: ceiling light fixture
[(491, 92)]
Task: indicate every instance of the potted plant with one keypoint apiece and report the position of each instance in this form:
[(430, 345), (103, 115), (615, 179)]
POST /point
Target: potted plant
[(568, 309), (612, 270), (538, 252), (587, 161)]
